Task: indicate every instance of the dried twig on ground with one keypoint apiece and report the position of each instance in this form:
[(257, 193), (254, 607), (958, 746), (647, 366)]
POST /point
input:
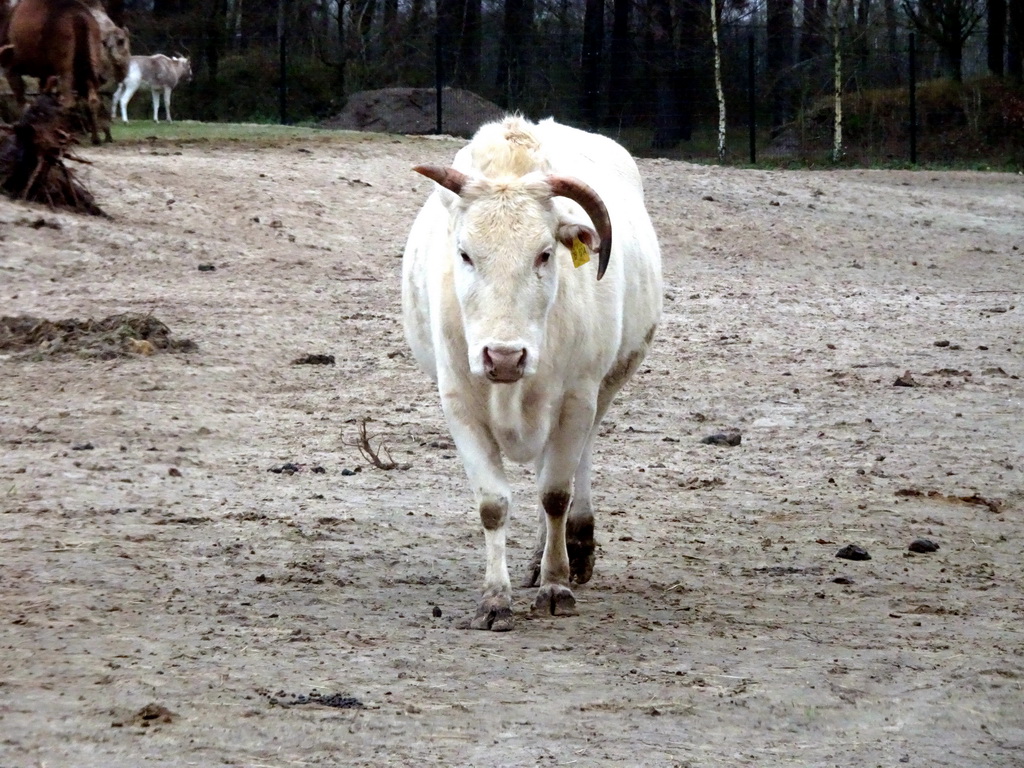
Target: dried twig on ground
[(371, 454)]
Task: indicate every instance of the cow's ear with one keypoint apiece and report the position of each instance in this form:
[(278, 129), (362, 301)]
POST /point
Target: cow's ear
[(568, 231)]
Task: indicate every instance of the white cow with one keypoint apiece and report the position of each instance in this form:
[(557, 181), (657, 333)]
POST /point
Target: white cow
[(527, 349), (161, 74)]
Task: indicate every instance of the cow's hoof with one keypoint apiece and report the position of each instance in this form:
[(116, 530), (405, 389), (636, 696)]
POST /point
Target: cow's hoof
[(532, 578), (554, 600), (581, 558), (495, 614)]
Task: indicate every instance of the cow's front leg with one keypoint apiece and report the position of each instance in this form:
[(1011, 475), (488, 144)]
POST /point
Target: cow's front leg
[(482, 461), (560, 462)]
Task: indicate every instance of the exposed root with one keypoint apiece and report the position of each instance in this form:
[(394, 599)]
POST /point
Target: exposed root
[(32, 156)]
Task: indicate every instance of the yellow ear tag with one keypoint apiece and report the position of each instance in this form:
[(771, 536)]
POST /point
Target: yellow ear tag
[(580, 253)]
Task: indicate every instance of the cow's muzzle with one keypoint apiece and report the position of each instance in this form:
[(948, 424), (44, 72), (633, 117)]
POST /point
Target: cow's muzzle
[(504, 364)]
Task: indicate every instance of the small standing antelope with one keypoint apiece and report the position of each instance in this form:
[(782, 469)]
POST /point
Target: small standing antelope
[(161, 74)]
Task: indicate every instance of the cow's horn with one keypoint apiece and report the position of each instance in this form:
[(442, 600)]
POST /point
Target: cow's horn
[(590, 201), (448, 178)]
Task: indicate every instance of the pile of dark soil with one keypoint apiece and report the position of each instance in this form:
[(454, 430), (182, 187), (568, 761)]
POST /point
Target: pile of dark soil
[(414, 110), (113, 336)]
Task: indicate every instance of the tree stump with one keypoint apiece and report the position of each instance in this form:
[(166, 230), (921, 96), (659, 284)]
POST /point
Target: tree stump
[(32, 159)]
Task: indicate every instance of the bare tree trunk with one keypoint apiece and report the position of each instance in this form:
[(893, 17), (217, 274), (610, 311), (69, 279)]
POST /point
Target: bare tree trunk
[(861, 36), (235, 23), (470, 45), (812, 32), (1015, 40), (449, 29), (953, 56), (363, 12), (593, 50), (622, 58), (837, 64), (415, 19), (949, 23), (891, 25), (996, 36), (669, 128), (513, 58), (340, 64), (780, 59), (390, 41), (719, 93), (213, 47)]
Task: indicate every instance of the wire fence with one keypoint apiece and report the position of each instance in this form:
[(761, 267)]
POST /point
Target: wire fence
[(656, 100)]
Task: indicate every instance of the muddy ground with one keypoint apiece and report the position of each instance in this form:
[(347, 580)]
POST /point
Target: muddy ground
[(149, 555)]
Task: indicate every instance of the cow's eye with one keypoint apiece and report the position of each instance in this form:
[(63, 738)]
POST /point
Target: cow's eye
[(465, 258), (544, 257)]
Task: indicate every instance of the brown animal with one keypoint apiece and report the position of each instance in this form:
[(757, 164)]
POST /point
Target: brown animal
[(114, 60), (54, 38)]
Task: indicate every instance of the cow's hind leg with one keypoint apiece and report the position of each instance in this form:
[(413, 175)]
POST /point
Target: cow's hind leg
[(95, 109), (130, 87), (156, 104), (579, 525), (579, 528)]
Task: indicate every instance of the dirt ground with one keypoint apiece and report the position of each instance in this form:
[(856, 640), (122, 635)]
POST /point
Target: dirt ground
[(167, 599)]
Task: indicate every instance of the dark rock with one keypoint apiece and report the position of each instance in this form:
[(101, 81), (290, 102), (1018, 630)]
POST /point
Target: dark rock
[(437, 612), (83, 447), (842, 580), (906, 380), (207, 268), (152, 714), (923, 545), (288, 469), (853, 552), (731, 438)]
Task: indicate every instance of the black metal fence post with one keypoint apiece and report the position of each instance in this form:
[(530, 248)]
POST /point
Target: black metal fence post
[(438, 76), (913, 100), (751, 100)]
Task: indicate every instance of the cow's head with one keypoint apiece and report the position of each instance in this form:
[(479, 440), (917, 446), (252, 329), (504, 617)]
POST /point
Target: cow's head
[(117, 43), (184, 66), (504, 234)]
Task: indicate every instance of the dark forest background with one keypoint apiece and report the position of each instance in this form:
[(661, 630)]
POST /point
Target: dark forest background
[(642, 70)]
